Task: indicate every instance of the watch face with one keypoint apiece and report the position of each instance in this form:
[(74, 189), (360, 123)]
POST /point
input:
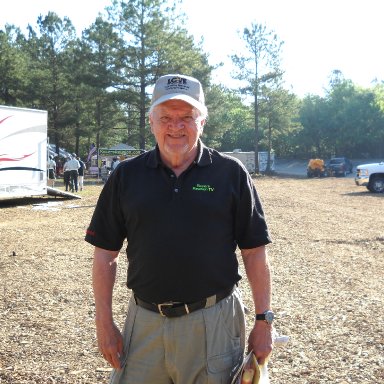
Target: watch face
[(269, 316)]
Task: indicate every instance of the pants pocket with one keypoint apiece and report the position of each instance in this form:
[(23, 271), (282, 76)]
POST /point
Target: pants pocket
[(225, 337), (127, 334)]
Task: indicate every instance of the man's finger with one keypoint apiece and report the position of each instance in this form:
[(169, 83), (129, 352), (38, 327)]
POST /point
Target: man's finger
[(115, 361)]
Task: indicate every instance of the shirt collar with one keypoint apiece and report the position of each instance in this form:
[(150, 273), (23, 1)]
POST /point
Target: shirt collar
[(203, 157)]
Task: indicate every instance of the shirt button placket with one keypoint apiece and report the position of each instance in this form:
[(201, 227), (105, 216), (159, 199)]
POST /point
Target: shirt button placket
[(176, 185)]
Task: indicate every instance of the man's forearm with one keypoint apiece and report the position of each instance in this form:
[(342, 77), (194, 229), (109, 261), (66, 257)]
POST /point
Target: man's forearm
[(103, 276), (259, 277), (109, 338)]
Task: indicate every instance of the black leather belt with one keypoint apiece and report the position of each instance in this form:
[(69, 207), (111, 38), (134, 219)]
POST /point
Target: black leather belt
[(176, 309)]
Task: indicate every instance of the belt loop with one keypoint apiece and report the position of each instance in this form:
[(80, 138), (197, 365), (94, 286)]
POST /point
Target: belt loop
[(210, 301)]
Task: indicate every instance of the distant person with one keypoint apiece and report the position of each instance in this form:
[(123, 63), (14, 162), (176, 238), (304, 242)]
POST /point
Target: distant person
[(115, 163), (59, 167), (67, 174), (81, 173), (72, 165), (104, 171), (51, 171)]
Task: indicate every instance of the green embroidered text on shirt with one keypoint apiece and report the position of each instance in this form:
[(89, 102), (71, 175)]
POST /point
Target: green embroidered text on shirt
[(203, 187)]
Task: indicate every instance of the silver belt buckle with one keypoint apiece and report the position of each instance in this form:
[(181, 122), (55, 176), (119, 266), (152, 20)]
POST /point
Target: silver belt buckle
[(167, 304)]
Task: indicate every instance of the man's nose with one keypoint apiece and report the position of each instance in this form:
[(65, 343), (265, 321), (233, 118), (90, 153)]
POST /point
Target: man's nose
[(177, 122)]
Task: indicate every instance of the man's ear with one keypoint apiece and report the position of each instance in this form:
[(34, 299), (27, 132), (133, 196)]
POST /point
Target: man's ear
[(202, 123), (151, 122)]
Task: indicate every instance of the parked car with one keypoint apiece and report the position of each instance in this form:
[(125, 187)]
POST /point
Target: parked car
[(371, 176), (339, 166)]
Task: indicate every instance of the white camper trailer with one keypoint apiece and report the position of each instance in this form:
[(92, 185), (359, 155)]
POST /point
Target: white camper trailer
[(23, 153), (248, 159)]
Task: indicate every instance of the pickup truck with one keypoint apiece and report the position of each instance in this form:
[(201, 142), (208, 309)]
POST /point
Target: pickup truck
[(339, 166), (371, 176)]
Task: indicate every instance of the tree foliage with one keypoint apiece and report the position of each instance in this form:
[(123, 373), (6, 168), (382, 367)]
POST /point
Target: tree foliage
[(49, 77), (228, 120), (13, 66), (348, 121), (259, 66), (152, 45), (96, 88)]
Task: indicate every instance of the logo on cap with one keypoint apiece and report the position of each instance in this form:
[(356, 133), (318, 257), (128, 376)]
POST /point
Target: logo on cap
[(177, 81)]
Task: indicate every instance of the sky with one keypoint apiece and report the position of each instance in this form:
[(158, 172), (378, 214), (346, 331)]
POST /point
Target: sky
[(319, 35)]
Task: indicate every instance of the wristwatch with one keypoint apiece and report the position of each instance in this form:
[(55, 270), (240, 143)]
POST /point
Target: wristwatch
[(266, 316)]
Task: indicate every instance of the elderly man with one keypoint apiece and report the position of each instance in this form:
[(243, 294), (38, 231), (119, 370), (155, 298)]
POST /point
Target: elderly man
[(184, 209)]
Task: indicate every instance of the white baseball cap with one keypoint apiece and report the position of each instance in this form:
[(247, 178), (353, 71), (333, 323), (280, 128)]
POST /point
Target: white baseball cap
[(179, 87)]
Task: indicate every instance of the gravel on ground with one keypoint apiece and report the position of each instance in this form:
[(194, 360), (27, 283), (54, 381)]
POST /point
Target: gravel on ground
[(327, 265)]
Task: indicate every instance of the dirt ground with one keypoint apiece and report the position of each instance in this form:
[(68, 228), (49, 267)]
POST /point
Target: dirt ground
[(327, 263)]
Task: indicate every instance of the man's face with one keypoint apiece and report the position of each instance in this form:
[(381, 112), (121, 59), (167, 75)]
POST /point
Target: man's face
[(177, 127)]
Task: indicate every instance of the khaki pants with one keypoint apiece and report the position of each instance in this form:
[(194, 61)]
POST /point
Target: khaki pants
[(81, 182), (205, 346)]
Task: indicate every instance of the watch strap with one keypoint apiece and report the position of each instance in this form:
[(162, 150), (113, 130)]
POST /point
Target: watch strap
[(267, 316), (260, 316)]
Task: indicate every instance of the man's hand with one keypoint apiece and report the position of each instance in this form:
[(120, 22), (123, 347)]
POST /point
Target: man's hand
[(110, 342), (260, 341)]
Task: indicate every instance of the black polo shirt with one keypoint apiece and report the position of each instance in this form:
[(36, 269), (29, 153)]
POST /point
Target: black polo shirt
[(182, 232)]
